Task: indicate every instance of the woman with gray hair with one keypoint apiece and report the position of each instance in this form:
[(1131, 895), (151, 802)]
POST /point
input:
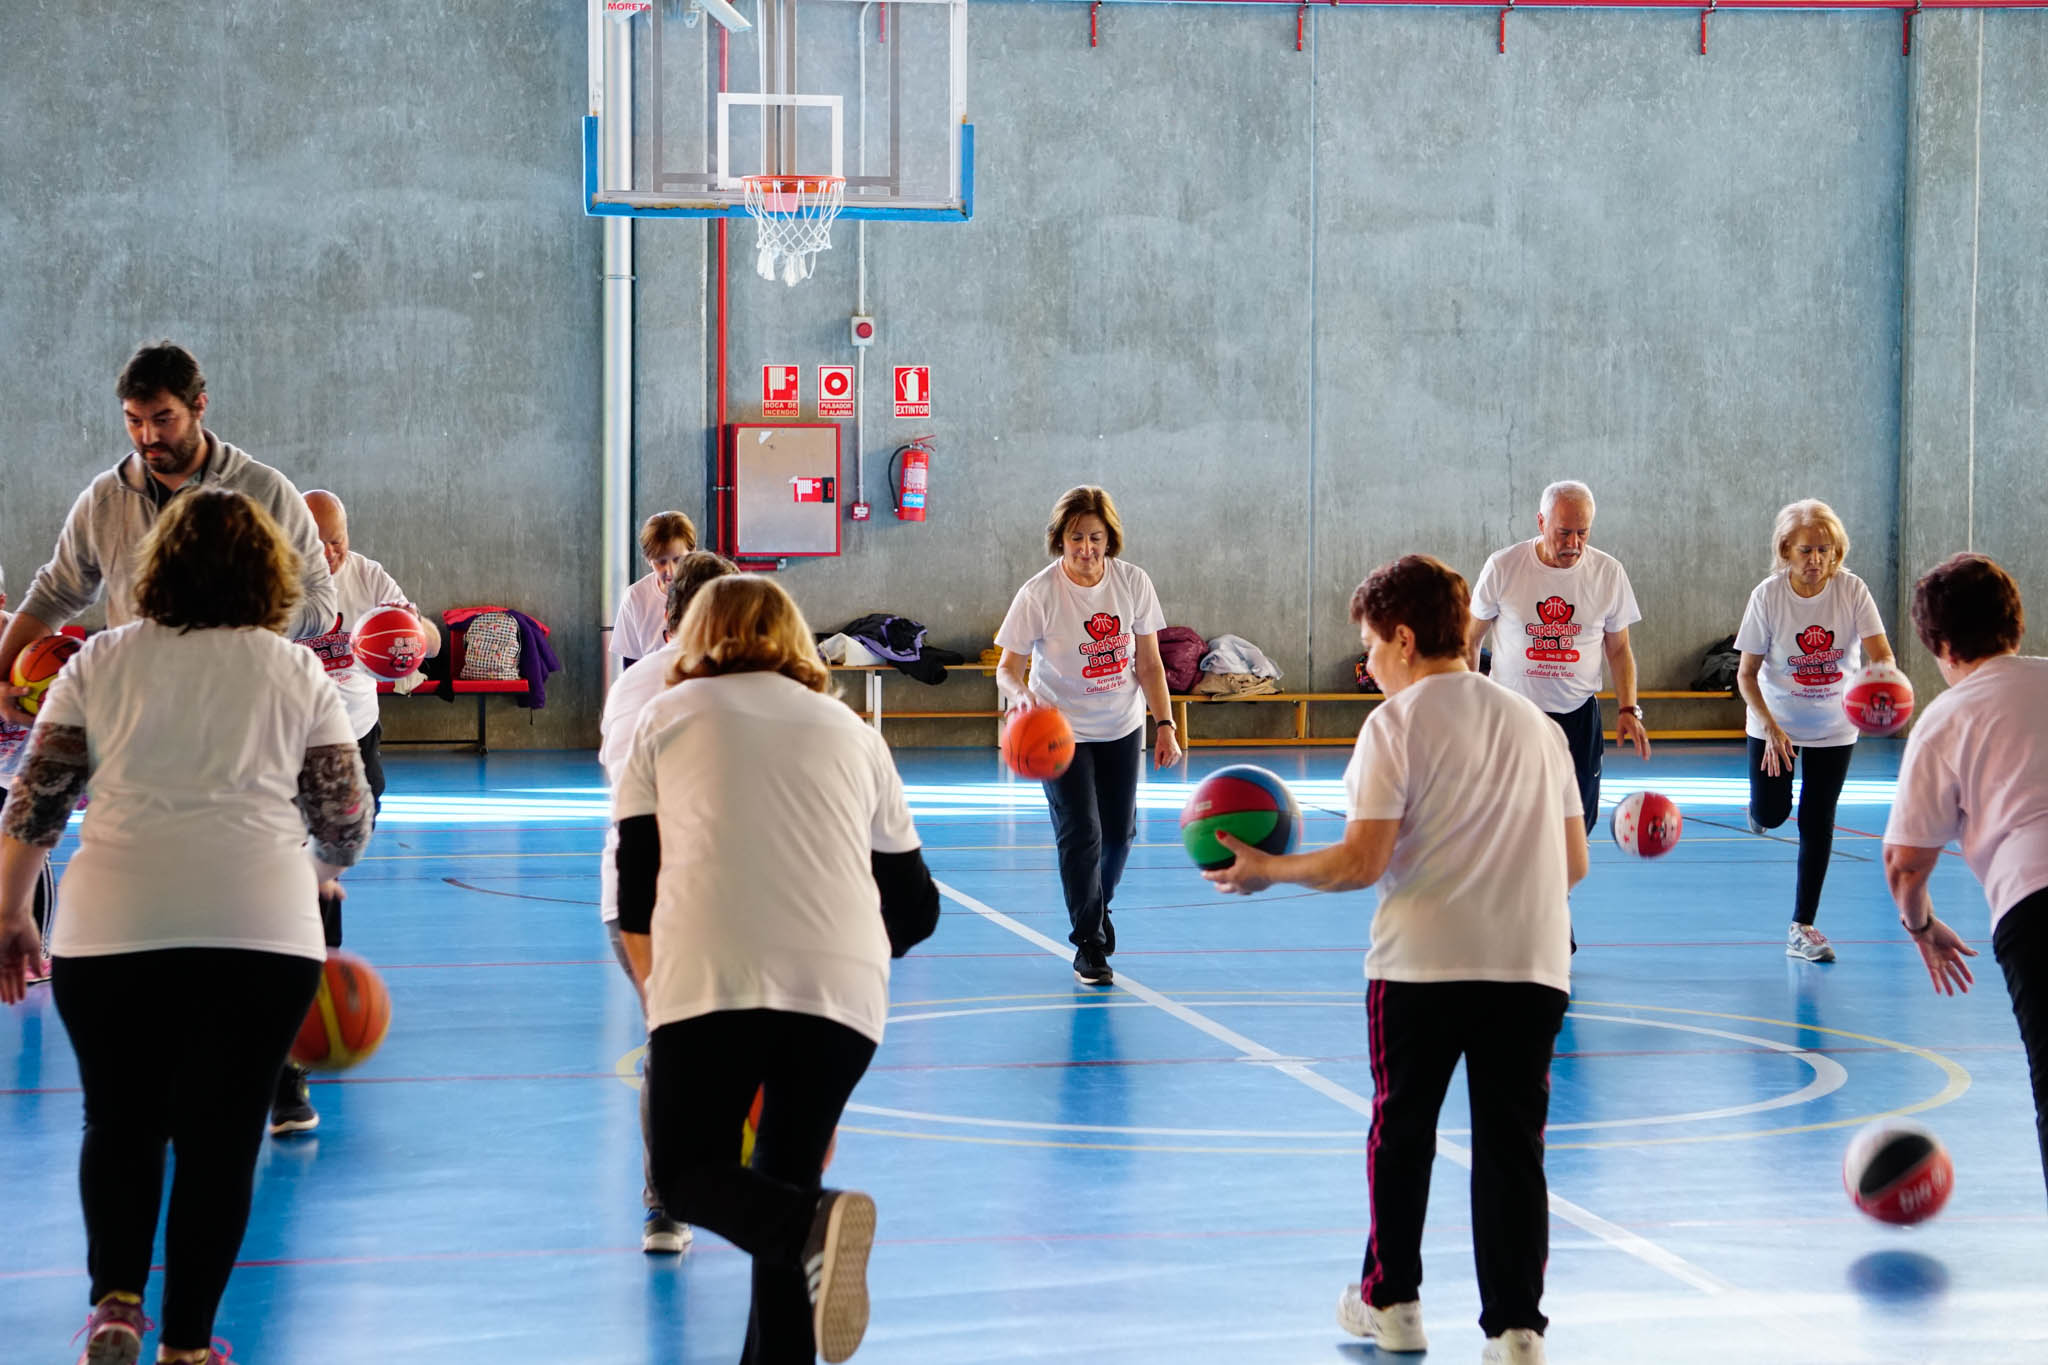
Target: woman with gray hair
[(1807, 630)]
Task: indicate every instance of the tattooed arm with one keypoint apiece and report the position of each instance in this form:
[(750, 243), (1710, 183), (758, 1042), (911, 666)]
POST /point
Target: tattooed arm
[(44, 794), (334, 798)]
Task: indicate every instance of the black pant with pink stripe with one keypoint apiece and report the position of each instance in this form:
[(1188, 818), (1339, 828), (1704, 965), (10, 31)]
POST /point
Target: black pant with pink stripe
[(1505, 1031)]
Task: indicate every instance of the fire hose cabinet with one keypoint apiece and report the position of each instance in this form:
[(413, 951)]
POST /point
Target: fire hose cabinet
[(785, 481)]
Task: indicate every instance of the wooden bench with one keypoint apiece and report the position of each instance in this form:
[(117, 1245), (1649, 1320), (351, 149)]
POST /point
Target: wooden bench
[(1301, 701), (481, 688), (871, 682)]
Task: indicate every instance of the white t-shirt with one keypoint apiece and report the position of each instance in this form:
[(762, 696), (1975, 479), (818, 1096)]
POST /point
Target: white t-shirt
[(637, 686), (1083, 644), (193, 838), (769, 797), (636, 630), (360, 587), (1551, 625), (1811, 647), (1482, 783), (1976, 769)]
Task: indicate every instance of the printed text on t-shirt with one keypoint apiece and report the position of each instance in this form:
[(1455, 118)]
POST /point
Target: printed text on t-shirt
[(1815, 666), (1553, 632), (1107, 652)]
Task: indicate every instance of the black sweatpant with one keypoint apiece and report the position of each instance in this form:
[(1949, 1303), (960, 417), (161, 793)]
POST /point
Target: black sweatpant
[(371, 746), (1582, 735), (1094, 807), (2020, 944), (1822, 771), (703, 1073), (1416, 1033), (180, 1046)]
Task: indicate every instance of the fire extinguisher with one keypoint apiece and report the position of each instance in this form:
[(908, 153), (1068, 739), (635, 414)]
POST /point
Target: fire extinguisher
[(907, 487)]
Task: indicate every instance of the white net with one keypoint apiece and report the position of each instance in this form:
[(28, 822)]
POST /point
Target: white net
[(793, 215)]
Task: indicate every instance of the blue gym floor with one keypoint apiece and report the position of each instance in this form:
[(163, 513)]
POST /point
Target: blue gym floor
[(1170, 1171)]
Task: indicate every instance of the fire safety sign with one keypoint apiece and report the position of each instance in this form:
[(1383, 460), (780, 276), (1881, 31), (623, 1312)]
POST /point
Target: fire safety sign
[(913, 390), (779, 390)]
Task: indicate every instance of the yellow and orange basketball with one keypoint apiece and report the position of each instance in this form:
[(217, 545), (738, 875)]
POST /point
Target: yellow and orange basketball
[(351, 1013), (36, 665)]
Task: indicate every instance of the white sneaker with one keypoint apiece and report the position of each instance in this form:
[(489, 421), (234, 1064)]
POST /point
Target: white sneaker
[(1397, 1327), (1805, 941), (1516, 1346)]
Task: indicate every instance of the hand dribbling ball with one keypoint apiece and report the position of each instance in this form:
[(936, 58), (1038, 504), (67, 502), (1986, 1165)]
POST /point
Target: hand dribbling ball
[(1879, 700), (36, 665), (1246, 802), (1646, 824), (390, 642), (1897, 1172), (350, 1015), (1038, 743)]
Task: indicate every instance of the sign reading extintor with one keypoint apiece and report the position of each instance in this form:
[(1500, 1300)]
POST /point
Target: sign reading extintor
[(835, 391), (913, 390), (779, 390)]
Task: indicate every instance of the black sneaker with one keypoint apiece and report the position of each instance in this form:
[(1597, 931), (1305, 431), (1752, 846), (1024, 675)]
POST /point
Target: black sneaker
[(291, 1110), (663, 1235), (836, 1262), (1091, 969)]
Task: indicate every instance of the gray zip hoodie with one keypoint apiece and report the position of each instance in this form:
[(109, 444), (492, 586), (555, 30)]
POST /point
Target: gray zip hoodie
[(101, 535)]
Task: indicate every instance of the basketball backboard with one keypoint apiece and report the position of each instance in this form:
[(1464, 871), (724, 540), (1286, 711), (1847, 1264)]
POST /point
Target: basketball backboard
[(684, 103)]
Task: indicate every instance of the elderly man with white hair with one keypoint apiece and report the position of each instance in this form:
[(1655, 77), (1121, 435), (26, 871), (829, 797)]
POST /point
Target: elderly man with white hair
[(1557, 607)]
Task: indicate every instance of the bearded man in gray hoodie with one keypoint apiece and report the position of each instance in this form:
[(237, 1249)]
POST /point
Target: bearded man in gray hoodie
[(163, 399)]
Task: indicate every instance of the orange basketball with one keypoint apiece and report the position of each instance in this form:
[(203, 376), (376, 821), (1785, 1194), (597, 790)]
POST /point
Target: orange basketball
[(1038, 743), (351, 1012), (37, 664), (390, 643), (753, 1125)]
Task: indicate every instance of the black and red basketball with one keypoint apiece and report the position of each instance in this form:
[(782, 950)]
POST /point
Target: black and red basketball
[(1898, 1172)]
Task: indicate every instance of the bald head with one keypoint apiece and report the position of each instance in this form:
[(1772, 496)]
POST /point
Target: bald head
[(332, 519)]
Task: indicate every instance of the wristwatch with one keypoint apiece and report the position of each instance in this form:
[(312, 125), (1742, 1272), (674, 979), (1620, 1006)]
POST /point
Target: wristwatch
[(1635, 711)]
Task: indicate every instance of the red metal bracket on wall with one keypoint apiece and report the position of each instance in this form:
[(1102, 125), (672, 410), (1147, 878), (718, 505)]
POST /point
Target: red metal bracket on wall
[(1906, 39), (1300, 24), (1711, 7), (1502, 44), (1092, 8)]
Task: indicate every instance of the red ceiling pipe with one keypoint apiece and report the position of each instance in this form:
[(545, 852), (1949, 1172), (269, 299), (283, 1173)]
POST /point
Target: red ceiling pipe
[(1905, 5)]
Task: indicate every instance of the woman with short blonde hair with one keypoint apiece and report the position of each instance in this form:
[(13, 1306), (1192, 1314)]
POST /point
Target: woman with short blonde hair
[(768, 870), (1807, 630), (744, 623), (208, 741)]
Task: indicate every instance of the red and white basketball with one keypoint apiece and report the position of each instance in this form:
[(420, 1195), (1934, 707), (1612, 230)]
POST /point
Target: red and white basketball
[(1646, 824), (1897, 1171), (1879, 700), (390, 642)]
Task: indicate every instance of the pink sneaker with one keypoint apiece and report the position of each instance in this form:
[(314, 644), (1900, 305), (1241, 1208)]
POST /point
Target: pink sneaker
[(40, 972), (218, 1353), (113, 1333)]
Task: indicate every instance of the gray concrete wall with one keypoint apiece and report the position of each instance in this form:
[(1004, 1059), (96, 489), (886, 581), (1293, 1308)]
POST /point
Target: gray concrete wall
[(365, 223), (1300, 311)]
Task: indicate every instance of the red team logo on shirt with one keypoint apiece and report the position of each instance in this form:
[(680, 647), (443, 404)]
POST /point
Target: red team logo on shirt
[(1552, 633), (335, 650), (1815, 662), (1108, 651)]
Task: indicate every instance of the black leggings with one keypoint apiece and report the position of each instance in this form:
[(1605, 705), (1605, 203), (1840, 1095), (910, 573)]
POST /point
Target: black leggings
[(1094, 807), (371, 746), (2021, 945), (179, 1046), (1822, 772), (703, 1073)]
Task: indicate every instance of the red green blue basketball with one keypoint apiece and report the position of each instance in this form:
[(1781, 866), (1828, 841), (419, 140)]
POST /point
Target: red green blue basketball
[(1242, 800)]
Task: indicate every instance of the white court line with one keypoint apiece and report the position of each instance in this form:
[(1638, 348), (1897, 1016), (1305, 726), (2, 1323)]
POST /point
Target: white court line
[(1616, 1236)]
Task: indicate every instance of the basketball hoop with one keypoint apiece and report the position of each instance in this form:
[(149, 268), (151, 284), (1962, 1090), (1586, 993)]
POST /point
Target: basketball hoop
[(794, 214)]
